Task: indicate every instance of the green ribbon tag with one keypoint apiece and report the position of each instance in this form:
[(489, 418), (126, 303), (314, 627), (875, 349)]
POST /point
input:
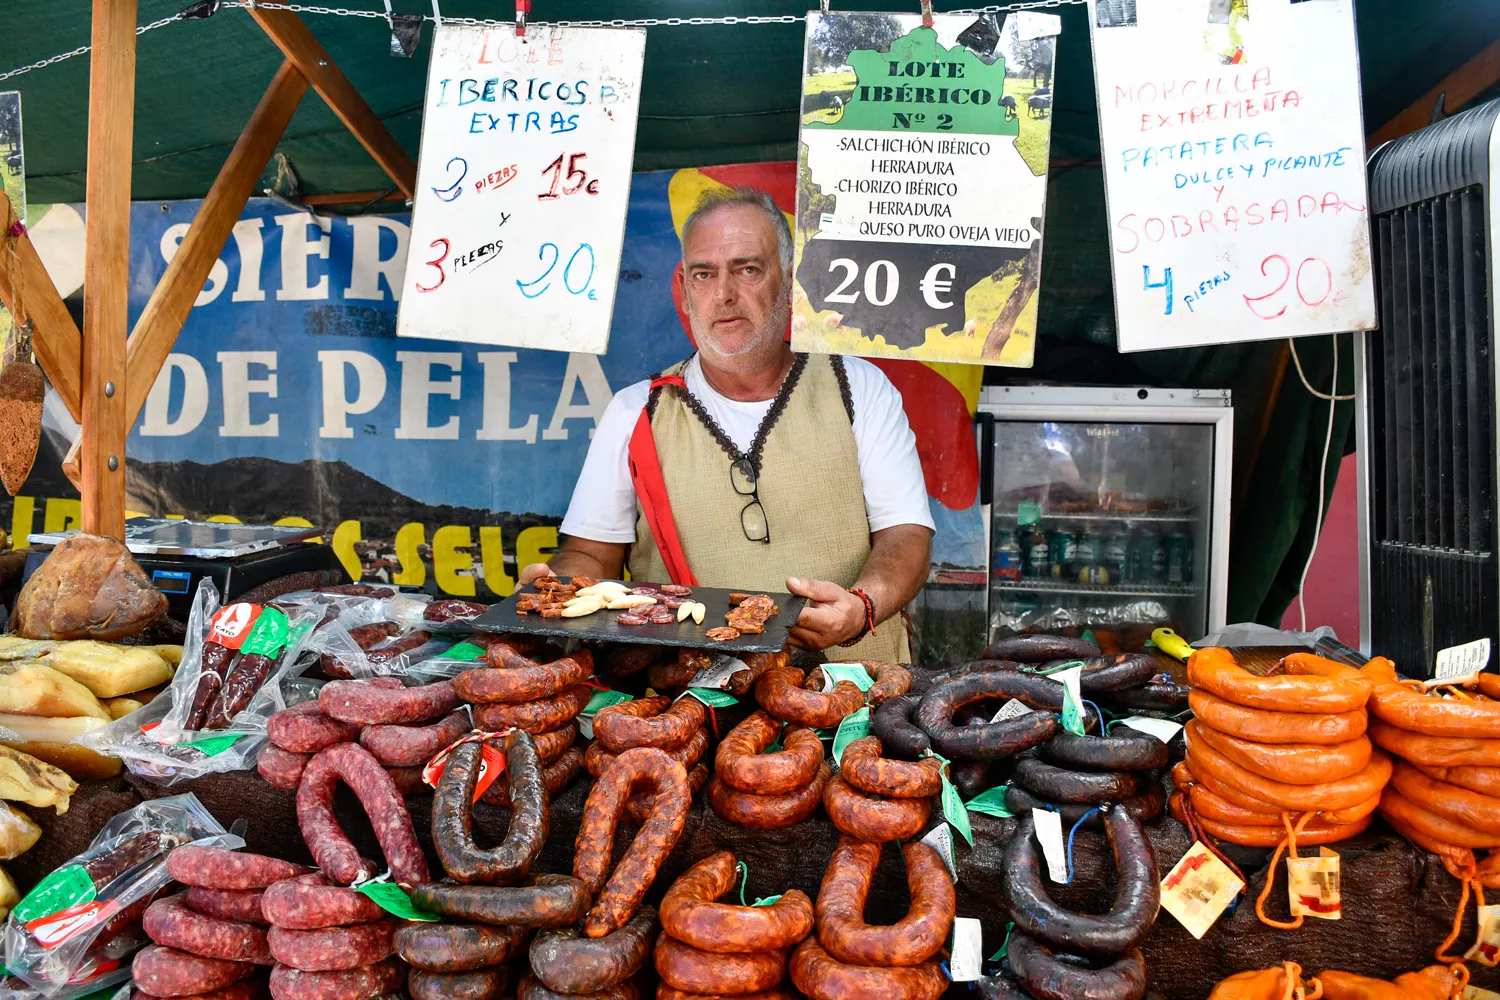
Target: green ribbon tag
[(953, 804), (855, 673), (853, 727), (775, 746), (68, 886), (712, 698), (270, 634), (393, 899), (465, 652), (1088, 636), (603, 699), (1004, 945), (214, 745), (1072, 707), (991, 802), (1028, 512), (768, 900)]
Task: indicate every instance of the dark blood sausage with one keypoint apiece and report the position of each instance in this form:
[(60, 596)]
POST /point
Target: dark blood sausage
[(872, 819), (221, 868), (541, 716), (384, 805), (214, 667), (226, 904), (396, 648), (545, 901), (1137, 893), (508, 862), (364, 636), (458, 947), (638, 806), (375, 980), (408, 780), (309, 902), (688, 754), (1147, 806), (741, 760), (970, 777), (568, 963), (899, 737), (1160, 694), (528, 682), (768, 812), (1000, 986), (823, 977), (690, 914), (649, 722), (413, 746), (914, 938), (1104, 674), (555, 777), (779, 691), (531, 988), (864, 768), (240, 686), (334, 949), (480, 984), (1046, 976), (439, 612), (650, 769), (1125, 750), (169, 922), (1040, 649), (1058, 785), (629, 660), (305, 729), (686, 968), (934, 714), (757, 663), (281, 768), (167, 972), (373, 704)]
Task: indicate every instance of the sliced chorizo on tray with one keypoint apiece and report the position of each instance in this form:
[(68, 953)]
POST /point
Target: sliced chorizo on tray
[(741, 760), (915, 938), (691, 913)]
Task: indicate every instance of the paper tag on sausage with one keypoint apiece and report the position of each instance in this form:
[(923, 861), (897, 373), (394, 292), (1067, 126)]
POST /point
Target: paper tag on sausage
[(1049, 833), (951, 802), (1012, 709), (991, 802), (393, 899), (1162, 729), (231, 625), (855, 673), (1313, 886), (1475, 993), (491, 762), (1072, 706), (1460, 661), (1486, 949), (1198, 889), (965, 964), (853, 727), (940, 839), (710, 697), (716, 675), (599, 701)]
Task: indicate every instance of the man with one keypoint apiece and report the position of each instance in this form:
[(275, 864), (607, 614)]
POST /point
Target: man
[(776, 470)]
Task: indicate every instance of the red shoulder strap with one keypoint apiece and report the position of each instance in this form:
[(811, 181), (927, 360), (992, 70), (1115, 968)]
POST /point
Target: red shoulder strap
[(651, 489)]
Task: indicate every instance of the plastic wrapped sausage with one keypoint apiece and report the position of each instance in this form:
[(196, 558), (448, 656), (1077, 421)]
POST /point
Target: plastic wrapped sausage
[(690, 913)]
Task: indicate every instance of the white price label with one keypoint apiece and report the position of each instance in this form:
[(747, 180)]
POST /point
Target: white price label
[(965, 963), (1162, 729), (940, 839), (1460, 661), (1012, 709), (716, 675), (1049, 832)]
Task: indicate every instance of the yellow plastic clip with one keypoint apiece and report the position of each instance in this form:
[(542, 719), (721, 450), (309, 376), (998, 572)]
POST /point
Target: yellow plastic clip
[(1172, 644)]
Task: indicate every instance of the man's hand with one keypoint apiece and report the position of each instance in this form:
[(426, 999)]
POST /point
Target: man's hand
[(535, 571), (831, 616)]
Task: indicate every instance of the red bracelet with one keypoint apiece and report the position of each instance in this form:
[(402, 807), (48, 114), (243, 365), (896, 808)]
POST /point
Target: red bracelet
[(869, 628)]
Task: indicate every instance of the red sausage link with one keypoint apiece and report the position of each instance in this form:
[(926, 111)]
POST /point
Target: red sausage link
[(555, 776), (334, 949), (373, 704), (528, 682), (245, 989), (541, 716), (552, 745), (914, 938), (686, 968), (688, 754), (376, 980), (167, 972), (768, 812), (823, 977), (169, 922), (638, 806), (741, 761), (309, 902), (864, 768), (690, 914), (665, 992), (226, 904), (221, 868), (481, 984), (384, 805), (780, 692), (865, 817), (649, 722), (413, 746), (281, 768), (305, 729)]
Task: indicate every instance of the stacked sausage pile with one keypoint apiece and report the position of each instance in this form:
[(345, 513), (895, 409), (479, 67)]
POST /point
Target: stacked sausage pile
[(1436, 982), (874, 799), (850, 958), (1444, 793), (709, 948), (1058, 954), (1121, 682), (402, 731), (767, 791), (329, 942), (672, 670), (678, 728), (1264, 748), (1074, 774), (212, 937)]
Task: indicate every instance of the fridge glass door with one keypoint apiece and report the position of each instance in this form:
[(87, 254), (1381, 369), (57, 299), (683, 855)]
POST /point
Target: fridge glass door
[(1101, 526)]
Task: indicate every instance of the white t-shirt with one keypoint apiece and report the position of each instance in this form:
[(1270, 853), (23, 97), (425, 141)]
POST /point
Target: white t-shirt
[(603, 508)]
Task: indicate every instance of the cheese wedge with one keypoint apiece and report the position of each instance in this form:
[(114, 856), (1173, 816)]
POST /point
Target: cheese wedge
[(31, 688)]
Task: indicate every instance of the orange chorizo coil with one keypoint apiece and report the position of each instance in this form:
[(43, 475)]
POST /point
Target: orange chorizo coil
[(870, 818), (1489, 685), (756, 664), (1210, 805), (912, 940), (1270, 836), (1458, 805), (1484, 780), (638, 806), (656, 722), (779, 691), (1229, 806), (684, 967), (688, 754), (1339, 985), (864, 768), (1401, 815), (665, 992), (1204, 759), (822, 977), (1262, 726), (1436, 982), (890, 679), (1260, 984), (1434, 828), (1293, 763), (691, 914), (1428, 713), (1310, 684), (768, 812), (1435, 751), (741, 761)]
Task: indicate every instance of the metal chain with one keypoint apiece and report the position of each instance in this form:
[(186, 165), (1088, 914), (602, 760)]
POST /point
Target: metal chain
[(61, 56)]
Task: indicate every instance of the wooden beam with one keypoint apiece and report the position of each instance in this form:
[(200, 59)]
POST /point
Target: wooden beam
[(352, 198), (28, 292), (157, 328), (106, 265), (303, 49), (1456, 89)]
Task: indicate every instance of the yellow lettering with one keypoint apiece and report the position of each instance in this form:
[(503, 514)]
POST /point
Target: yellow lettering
[(449, 563), (492, 556), (344, 538), (409, 538), (293, 521), (62, 514), (535, 544), (22, 514), (176, 517), (225, 519), (135, 513)]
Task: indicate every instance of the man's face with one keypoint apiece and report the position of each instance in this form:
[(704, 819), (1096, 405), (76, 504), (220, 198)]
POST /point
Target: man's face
[(737, 294)]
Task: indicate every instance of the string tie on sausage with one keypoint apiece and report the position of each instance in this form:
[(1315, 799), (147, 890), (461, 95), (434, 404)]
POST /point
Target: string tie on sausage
[(1289, 844), (1196, 831), (1081, 820)]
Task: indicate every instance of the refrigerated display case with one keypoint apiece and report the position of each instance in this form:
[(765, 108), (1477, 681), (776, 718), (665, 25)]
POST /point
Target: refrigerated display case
[(1109, 510)]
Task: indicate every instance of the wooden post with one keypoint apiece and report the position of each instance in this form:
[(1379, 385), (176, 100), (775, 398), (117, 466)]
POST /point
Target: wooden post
[(106, 265), (1456, 89), (28, 292)]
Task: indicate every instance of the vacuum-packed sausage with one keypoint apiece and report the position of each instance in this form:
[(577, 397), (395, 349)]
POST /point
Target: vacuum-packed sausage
[(168, 921), (366, 637), (541, 716), (222, 868), (1435, 751), (686, 968), (1261, 726), (309, 902), (1137, 893), (326, 839), (531, 988), (656, 722), (395, 649), (864, 768), (823, 977), (687, 754), (544, 901), (741, 760), (281, 768), (555, 777), (458, 947), (509, 861), (1058, 785), (451, 610), (876, 820), (213, 668), (1124, 750), (1048, 977), (768, 812), (1428, 713), (240, 687), (226, 904), (375, 980), (524, 682), (413, 746), (567, 962), (619, 897), (1146, 806), (479, 984), (899, 736), (1308, 684), (305, 729), (779, 691), (912, 940), (334, 949), (1039, 649), (690, 912), (168, 972), (371, 704), (934, 714), (1203, 758)]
